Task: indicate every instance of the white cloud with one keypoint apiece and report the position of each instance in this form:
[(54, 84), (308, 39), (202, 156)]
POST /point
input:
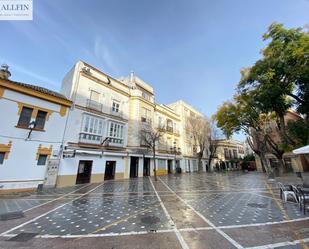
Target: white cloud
[(103, 54), (39, 79)]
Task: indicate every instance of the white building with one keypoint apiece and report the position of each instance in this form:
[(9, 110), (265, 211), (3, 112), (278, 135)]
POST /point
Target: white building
[(31, 131), (102, 139), (96, 134), (91, 132), (187, 143), (145, 114)]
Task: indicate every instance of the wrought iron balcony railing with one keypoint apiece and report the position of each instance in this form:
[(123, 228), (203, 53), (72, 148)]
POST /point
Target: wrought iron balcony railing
[(94, 105)]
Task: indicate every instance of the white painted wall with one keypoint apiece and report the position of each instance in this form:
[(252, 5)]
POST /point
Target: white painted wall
[(69, 166), (20, 170)]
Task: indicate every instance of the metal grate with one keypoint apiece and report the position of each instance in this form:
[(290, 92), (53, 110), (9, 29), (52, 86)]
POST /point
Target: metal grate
[(12, 215), (23, 237)]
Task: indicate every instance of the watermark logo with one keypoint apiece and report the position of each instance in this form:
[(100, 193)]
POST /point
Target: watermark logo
[(16, 10)]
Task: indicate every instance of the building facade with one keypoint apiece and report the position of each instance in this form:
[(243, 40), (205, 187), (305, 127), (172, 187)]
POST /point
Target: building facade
[(108, 116), (31, 132), (189, 149), (228, 154), (292, 162), (91, 131), (97, 128)]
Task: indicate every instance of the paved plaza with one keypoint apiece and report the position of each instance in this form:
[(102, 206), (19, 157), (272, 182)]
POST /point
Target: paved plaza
[(217, 210)]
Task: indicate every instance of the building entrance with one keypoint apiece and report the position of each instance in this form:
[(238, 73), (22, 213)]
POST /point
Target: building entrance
[(84, 172), (110, 168), (169, 166), (146, 169), (134, 167)]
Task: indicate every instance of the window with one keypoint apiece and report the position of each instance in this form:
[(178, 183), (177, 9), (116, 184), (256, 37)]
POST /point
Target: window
[(226, 153), (235, 154), (176, 128), (2, 155), (42, 160), (116, 133), (94, 101), (146, 96), (144, 138), (94, 96), (25, 117), (40, 119), (92, 128), (169, 125), (146, 115), (160, 122), (116, 106)]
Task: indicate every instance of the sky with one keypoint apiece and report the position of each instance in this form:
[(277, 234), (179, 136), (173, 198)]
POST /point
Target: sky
[(186, 49)]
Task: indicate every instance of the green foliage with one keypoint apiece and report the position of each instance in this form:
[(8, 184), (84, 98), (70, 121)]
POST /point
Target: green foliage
[(299, 131), (289, 50), (249, 158), (266, 91), (241, 114)]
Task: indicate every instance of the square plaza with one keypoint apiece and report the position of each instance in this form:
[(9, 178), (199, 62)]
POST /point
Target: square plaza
[(198, 210)]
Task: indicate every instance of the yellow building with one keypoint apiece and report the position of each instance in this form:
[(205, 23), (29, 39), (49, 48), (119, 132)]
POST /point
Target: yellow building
[(228, 154)]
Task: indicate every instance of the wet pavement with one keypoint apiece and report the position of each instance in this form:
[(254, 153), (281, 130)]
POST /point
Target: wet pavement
[(227, 210)]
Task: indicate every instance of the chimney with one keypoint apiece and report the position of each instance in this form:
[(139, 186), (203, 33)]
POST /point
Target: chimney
[(4, 72)]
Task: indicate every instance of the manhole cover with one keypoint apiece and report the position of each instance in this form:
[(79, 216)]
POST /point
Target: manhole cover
[(12, 215), (150, 219), (22, 237), (257, 205)]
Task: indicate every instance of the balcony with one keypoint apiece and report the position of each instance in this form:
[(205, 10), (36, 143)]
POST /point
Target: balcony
[(115, 142), (146, 120), (94, 105), (176, 132), (89, 138), (146, 123), (169, 129)]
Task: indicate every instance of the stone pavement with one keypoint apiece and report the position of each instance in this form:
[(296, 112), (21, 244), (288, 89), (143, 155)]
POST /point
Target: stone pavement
[(226, 210)]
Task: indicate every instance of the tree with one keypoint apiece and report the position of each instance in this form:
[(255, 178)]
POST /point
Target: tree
[(288, 51), (280, 79), (213, 136), (199, 128), (275, 83), (150, 138), (299, 131), (242, 115)]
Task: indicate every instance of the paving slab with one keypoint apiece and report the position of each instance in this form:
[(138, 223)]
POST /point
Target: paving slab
[(198, 210)]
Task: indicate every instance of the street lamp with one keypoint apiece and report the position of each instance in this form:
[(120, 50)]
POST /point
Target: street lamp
[(31, 126)]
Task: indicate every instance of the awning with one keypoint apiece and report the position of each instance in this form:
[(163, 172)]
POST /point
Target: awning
[(302, 150), (89, 152), (114, 154)]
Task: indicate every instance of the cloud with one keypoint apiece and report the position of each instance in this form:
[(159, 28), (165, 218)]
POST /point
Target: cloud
[(39, 79), (103, 54)]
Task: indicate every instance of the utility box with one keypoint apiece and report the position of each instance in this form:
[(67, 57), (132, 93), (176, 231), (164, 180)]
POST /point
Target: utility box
[(51, 173)]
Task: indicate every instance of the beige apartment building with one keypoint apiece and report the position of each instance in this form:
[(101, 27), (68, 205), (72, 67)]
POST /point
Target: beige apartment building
[(228, 154), (189, 149), (102, 138)]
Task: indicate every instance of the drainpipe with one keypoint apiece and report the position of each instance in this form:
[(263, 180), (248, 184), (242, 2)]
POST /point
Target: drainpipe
[(66, 124)]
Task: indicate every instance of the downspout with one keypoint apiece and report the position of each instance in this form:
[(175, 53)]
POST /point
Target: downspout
[(66, 124)]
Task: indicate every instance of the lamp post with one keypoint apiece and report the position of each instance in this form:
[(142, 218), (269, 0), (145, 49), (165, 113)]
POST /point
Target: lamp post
[(31, 126)]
